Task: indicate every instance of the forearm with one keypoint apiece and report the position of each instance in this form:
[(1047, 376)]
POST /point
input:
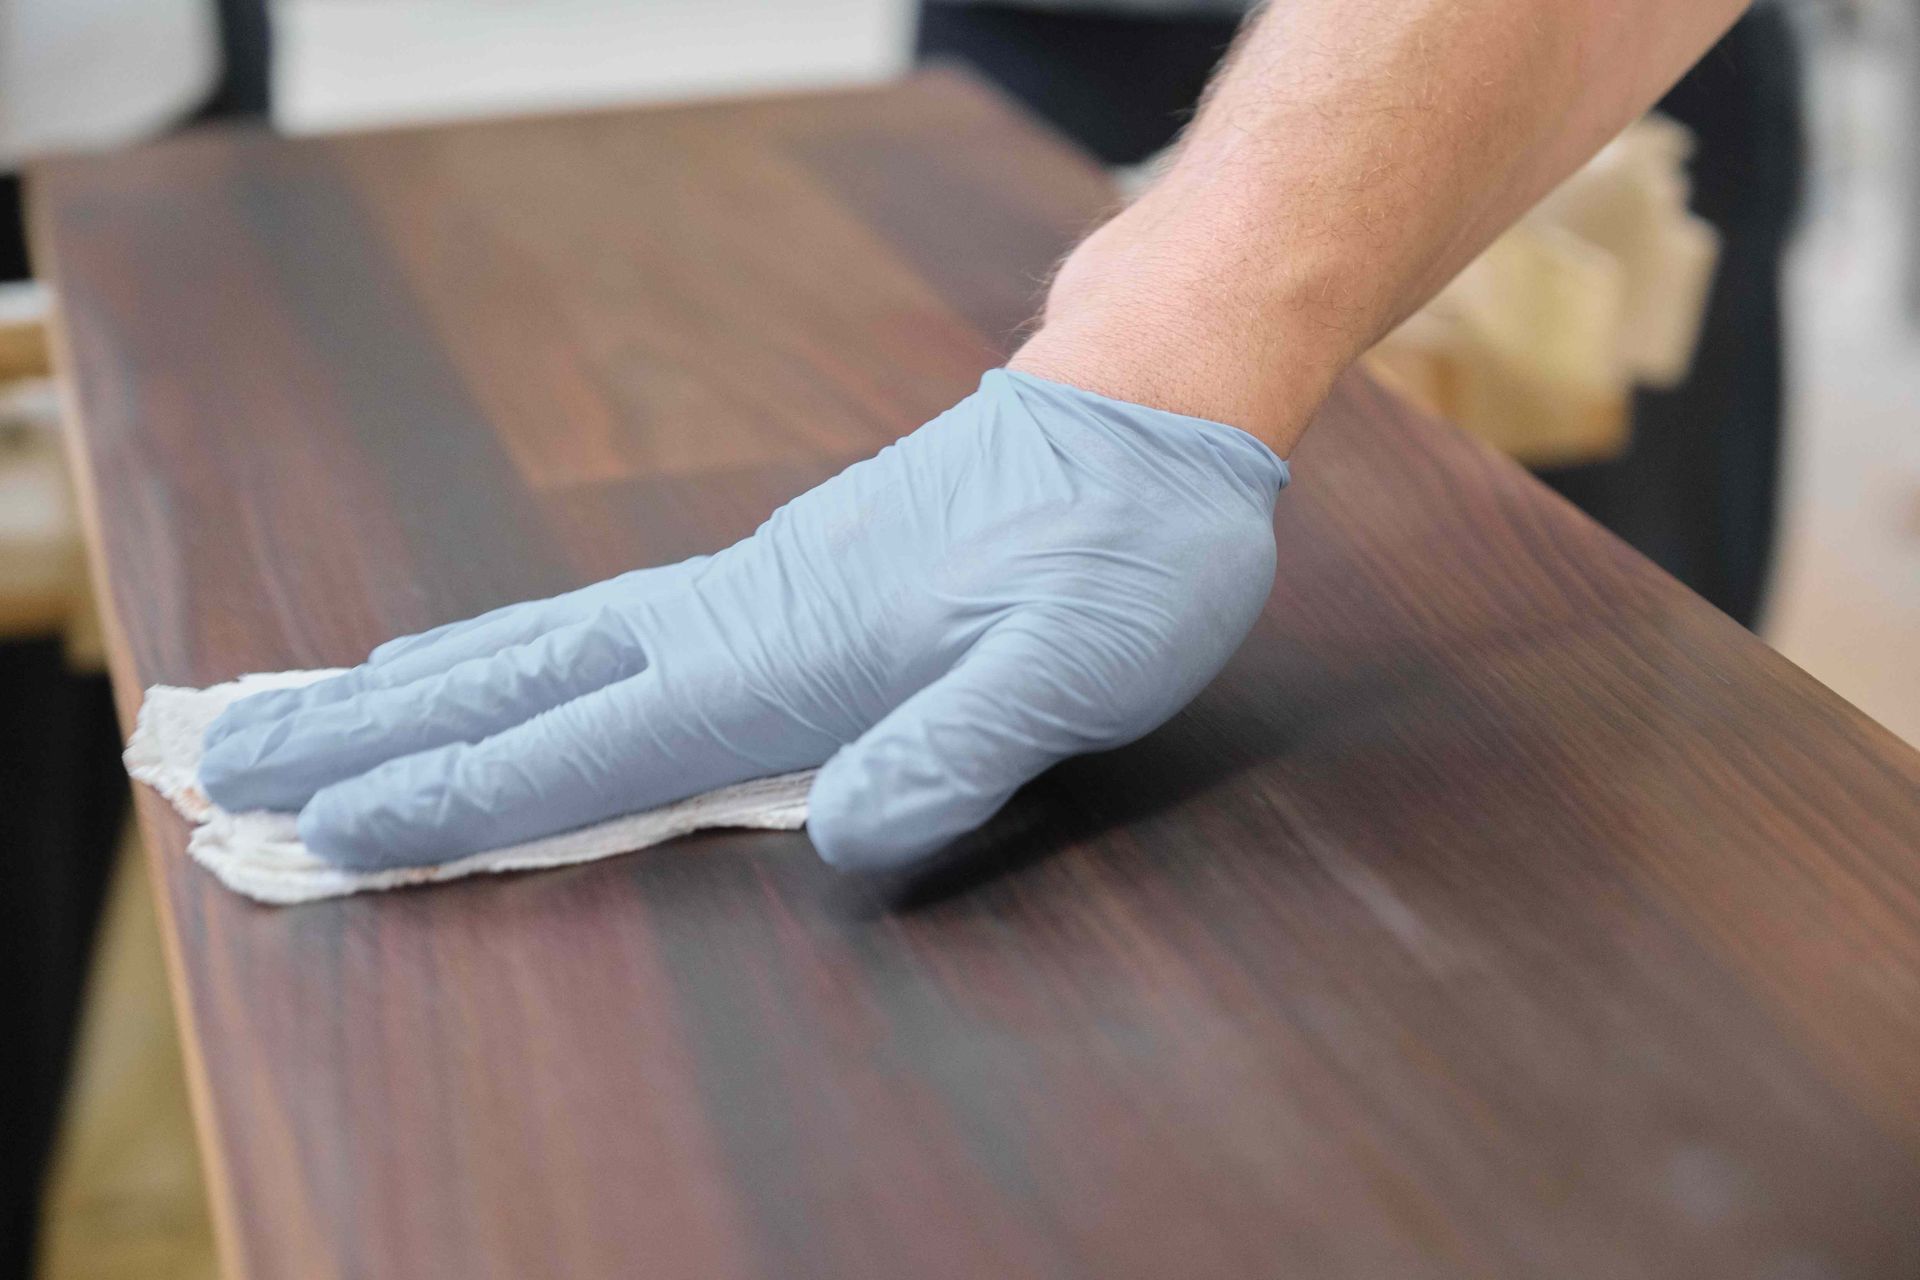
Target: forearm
[(1352, 156)]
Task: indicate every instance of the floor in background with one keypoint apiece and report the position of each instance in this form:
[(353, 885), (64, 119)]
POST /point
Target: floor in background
[(1847, 598), (127, 1201)]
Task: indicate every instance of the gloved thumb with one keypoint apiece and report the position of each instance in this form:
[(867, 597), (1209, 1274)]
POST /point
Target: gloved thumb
[(946, 759)]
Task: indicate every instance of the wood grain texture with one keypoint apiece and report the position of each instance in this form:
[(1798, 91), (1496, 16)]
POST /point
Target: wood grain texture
[(1502, 910)]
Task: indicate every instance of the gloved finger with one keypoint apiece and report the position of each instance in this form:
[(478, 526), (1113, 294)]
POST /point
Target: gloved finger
[(516, 623), (282, 763), (502, 629), (409, 658), (946, 759), (622, 749)]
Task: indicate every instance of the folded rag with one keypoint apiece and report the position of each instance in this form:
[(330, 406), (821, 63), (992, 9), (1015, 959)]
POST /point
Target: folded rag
[(259, 854)]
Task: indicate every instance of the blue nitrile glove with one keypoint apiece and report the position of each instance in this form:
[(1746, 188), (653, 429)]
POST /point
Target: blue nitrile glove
[(1038, 572)]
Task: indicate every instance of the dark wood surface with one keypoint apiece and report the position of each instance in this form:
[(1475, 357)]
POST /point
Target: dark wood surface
[(1502, 909)]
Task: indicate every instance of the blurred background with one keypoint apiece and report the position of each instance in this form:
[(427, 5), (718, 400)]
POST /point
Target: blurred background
[(1708, 340)]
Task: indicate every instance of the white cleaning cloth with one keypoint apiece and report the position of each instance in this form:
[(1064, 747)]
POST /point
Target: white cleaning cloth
[(260, 854)]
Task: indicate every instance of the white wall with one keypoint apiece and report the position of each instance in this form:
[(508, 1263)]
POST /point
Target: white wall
[(350, 63), (91, 73)]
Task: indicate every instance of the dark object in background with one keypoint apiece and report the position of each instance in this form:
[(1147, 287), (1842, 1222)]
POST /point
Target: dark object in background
[(245, 62), (63, 800), (13, 231), (1698, 491), (63, 793), (1122, 86)]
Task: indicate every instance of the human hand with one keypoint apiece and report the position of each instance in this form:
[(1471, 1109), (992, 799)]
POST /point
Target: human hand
[(1036, 573)]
